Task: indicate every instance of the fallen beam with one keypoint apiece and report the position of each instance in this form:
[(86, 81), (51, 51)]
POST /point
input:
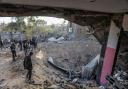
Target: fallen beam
[(51, 61)]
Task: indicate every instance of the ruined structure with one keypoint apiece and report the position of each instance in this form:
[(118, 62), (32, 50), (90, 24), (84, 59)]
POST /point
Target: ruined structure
[(105, 17)]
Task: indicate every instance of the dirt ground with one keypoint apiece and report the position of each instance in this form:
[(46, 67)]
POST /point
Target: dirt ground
[(12, 75)]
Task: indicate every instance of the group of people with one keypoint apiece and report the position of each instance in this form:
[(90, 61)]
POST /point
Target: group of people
[(28, 46), (4, 43)]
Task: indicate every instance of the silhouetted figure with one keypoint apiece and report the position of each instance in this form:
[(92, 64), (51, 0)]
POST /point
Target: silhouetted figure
[(28, 65), (34, 42), (26, 47), (21, 45), (1, 44), (13, 50)]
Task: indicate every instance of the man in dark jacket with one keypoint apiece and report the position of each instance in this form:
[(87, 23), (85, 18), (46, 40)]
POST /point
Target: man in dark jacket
[(26, 47), (1, 43), (28, 66), (13, 50)]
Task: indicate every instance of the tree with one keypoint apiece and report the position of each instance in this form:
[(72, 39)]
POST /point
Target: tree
[(20, 23), (12, 26)]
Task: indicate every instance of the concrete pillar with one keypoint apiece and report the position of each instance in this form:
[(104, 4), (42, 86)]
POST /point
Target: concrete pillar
[(125, 22), (110, 52)]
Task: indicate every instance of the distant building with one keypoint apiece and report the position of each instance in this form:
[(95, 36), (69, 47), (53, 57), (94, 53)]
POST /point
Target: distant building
[(12, 35)]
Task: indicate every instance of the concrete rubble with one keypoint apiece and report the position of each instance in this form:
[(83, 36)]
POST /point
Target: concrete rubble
[(58, 40), (66, 72), (69, 55)]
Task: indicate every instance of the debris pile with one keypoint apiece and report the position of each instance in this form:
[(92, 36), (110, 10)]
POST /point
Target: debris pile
[(119, 79), (68, 57), (57, 40)]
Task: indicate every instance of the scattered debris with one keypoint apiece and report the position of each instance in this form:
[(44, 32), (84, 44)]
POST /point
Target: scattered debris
[(88, 69), (66, 57), (60, 39), (50, 60), (53, 87), (53, 39), (115, 83), (101, 87)]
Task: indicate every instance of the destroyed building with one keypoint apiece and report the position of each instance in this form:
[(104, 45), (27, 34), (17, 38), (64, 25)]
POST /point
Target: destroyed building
[(107, 21)]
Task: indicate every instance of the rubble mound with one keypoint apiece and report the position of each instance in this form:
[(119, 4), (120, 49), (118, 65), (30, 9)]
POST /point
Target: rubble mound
[(67, 55)]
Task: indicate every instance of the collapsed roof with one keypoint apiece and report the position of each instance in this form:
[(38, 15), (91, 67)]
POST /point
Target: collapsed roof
[(109, 6), (82, 10)]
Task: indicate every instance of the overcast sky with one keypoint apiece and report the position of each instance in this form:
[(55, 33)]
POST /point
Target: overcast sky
[(49, 20)]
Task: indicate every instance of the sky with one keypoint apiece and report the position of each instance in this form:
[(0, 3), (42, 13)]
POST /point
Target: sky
[(49, 20)]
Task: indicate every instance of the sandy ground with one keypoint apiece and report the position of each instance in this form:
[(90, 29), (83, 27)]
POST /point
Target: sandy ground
[(12, 75)]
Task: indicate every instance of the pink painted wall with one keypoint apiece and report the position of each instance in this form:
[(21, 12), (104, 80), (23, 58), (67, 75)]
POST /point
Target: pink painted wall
[(110, 52), (108, 63)]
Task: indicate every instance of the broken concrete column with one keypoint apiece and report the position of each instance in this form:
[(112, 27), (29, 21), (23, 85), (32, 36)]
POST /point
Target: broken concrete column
[(110, 52)]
